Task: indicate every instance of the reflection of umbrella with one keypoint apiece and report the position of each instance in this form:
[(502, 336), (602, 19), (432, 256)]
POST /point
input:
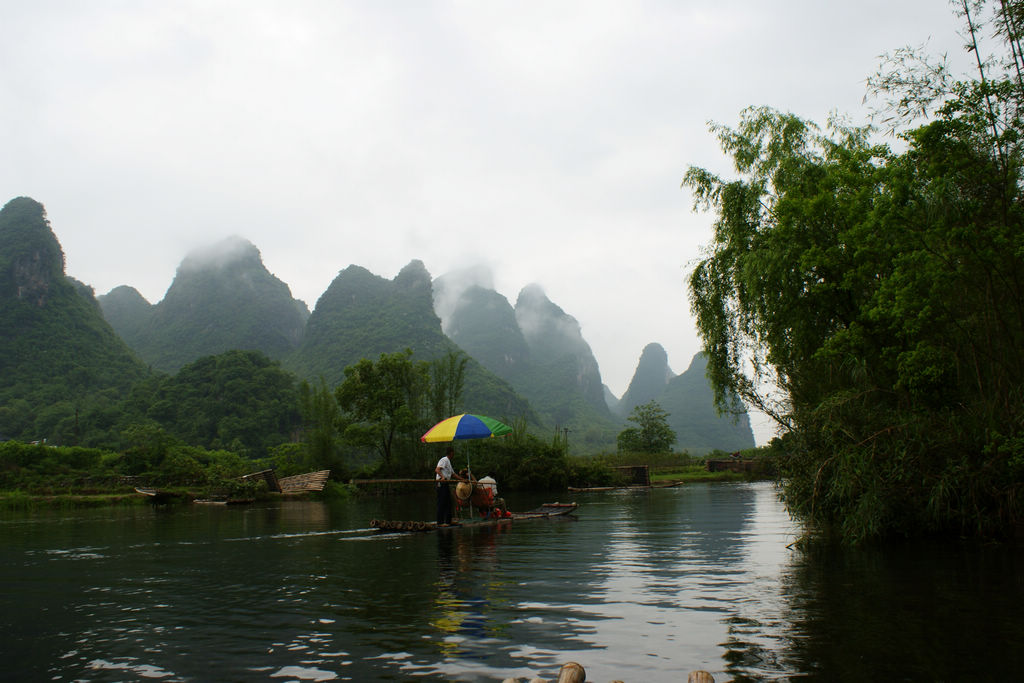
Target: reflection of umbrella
[(465, 426)]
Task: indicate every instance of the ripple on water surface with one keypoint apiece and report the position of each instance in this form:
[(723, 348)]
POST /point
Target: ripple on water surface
[(640, 586)]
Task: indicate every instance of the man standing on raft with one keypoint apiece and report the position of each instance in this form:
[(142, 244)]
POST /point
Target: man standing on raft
[(444, 472)]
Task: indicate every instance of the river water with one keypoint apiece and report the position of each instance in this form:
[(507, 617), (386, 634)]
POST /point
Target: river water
[(640, 586)]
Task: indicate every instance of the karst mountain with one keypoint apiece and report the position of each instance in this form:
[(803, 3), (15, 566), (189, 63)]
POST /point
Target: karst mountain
[(55, 346), (222, 298), (535, 346), (362, 315), (525, 361), (689, 402)]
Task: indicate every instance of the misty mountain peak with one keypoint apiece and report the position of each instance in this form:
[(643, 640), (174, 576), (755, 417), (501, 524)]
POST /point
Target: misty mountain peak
[(532, 295), (125, 295), (555, 340), (651, 377), (544, 323), (362, 315), (354, 272), (654, 355), (222, 298), (414, 276), (450, 287), (483, 323), (31, 258), (126, 310), (230, 251)]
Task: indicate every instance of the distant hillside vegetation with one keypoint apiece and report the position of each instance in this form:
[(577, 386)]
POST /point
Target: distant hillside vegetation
[(126, 310), (226, 324), (362, 315), (58, 357), (689, 401), (238, 400), (537, 348)]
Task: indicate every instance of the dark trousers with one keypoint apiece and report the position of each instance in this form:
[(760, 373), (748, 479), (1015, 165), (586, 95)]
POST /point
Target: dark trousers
[(444, 503)]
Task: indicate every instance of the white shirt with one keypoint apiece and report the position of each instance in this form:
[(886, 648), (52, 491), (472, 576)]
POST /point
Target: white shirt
[(445, 465)]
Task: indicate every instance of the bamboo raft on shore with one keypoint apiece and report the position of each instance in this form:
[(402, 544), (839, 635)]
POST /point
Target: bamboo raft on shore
[(310, 482), (298, 483)]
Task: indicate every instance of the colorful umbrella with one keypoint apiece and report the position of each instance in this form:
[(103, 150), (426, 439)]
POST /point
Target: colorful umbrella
[(465, 426)]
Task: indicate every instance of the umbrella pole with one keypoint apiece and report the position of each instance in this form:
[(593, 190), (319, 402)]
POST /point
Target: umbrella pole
[(469, 476)]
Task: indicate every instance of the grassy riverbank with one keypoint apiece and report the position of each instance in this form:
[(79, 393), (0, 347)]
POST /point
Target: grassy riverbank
[(691, 474), (42, 476), (21, 500), (24, 500), (666, 468)]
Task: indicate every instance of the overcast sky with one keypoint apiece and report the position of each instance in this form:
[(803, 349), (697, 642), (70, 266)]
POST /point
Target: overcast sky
[(544, 139)]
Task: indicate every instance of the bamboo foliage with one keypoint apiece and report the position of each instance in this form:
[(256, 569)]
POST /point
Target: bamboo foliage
[(879, 294)]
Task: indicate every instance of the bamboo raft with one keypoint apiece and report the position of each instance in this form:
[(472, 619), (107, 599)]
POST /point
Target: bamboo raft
[(299, 483), (546, 511), (572, 672)]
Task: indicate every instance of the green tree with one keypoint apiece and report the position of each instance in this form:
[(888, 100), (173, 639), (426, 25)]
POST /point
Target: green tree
[(240, 400), (651, 433), (320, 412), (146, 447), (384, 401), (872, 302), (448, 379)]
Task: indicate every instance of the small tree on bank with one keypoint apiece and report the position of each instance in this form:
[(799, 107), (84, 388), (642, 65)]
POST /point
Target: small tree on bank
[(320, 412), (651, 434), (384, 401)]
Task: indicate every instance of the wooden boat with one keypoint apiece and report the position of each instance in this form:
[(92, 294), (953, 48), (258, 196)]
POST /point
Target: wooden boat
[(158, 497), (546, 511), (224, 501), (309, 482)]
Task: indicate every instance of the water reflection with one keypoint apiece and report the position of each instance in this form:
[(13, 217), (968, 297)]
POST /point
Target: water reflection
[(462, 607), (676, 568), (642, 586), (930, 611)]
